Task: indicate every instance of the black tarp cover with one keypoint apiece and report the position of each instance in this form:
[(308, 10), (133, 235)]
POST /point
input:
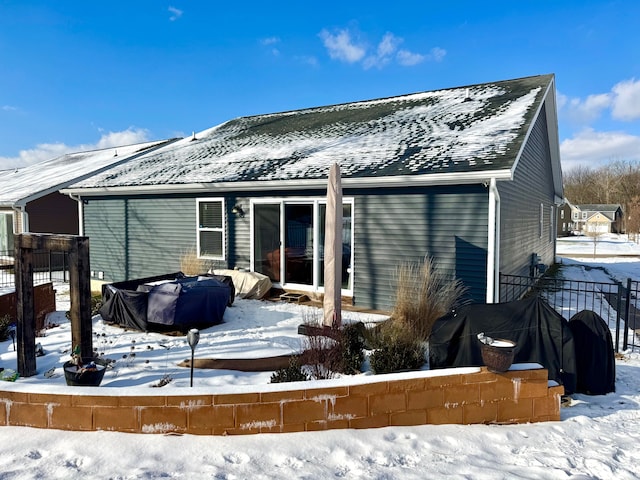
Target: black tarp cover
[(541, 335), (179, 303), (595, 356)]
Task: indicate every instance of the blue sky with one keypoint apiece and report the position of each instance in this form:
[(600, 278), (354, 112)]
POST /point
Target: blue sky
[(78, 75)]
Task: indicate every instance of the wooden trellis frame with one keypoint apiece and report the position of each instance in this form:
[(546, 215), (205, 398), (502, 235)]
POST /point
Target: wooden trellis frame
[(80, 292)]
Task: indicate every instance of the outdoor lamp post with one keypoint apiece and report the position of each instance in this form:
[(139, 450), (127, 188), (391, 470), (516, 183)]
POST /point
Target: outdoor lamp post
[(193, 336)]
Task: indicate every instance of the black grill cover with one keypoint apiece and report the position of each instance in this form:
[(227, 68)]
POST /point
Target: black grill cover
[(541, 335), (595, 357)]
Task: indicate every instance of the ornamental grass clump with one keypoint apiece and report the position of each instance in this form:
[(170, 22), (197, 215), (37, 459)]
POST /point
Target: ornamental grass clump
[(423, 294), (190, 264)]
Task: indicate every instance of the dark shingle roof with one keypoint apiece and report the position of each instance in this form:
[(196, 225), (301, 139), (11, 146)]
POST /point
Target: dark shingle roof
[(599, 207), (468, 129)]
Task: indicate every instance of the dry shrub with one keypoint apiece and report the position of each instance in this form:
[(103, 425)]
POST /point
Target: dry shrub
[(322, 356), (329, 351), (423, 294), (190, 264)]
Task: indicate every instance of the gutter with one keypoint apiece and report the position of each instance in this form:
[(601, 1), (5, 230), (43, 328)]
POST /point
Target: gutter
[(457, 178), (493, 243)]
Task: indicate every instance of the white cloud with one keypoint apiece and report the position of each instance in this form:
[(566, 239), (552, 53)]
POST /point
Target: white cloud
[(176, 13), (437, 54), (388, 45), (626, 101), (269, 40), (307, 60), (342, 47), (408, 59), (386, 48), (47, 151), (622, 102), (583, 112), (9, 108), (593, 148)]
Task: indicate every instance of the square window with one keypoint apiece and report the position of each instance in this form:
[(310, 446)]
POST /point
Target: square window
[(211, 228)]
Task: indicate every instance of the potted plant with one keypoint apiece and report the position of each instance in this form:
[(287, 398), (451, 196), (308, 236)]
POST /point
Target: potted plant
[(86, 372)]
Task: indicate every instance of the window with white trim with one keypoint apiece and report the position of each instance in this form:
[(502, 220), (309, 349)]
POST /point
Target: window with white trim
[(211, 228), (551, 223)]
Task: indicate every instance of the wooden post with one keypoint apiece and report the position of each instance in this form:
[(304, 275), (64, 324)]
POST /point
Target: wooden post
[(26, 318), (80, 287)]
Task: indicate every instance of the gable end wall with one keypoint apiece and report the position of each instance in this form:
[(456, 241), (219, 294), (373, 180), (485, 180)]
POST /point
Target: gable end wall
[(520, 201)]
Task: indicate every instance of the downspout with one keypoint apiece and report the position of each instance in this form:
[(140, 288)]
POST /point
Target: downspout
[(493, 243), (24, 222), (80, 213)]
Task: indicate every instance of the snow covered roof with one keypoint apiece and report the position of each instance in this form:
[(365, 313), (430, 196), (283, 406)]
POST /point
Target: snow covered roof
[(472, 131), (599, 207), (22, 185)]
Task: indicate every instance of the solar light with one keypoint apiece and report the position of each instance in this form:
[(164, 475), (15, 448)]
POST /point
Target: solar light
[(193, 336)]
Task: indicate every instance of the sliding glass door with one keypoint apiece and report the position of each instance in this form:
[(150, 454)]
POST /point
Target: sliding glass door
[(266, 240), (288, 242), (298, 243)]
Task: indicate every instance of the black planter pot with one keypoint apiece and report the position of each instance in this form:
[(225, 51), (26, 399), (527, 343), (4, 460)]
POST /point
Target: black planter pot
[(85, 378)]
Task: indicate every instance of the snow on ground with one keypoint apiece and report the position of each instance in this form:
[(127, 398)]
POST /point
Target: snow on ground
[(597, 436)]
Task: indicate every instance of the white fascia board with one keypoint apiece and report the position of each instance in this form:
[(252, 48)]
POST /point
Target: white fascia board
[(459, 178)]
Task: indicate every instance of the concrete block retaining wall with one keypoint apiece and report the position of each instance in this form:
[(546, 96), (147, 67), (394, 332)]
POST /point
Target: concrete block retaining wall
[(455, 396)]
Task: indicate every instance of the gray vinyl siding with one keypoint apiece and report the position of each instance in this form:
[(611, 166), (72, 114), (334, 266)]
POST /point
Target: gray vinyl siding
[(105, 225), (140, 236), (532, 185), (394, 226), (146, 236), (143, 236), (161, 232)]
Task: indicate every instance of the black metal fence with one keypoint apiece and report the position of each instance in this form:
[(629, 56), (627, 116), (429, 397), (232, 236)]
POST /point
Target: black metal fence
[(617, 303), (48, 266)]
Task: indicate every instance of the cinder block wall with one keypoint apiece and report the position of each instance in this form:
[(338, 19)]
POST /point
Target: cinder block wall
[(517, 396)]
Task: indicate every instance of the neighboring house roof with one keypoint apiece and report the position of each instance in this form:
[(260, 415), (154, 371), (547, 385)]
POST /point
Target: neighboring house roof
[(458, 135), (22, 185), (599, 207)]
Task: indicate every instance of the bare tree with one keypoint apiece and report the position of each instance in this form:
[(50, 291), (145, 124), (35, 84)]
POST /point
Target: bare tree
[(615, 183), (595, 230), (633, 218)]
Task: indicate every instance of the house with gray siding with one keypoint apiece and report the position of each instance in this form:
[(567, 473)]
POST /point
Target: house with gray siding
[(469, 176), (564, 219)]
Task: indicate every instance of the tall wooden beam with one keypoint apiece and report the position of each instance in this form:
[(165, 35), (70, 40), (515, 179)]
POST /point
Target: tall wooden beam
[(25, 312), (80, 288)]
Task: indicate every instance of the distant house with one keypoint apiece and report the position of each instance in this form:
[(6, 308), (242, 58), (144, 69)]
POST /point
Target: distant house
[(564, 219), (30, 200), (598, 218), (469, 176)]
